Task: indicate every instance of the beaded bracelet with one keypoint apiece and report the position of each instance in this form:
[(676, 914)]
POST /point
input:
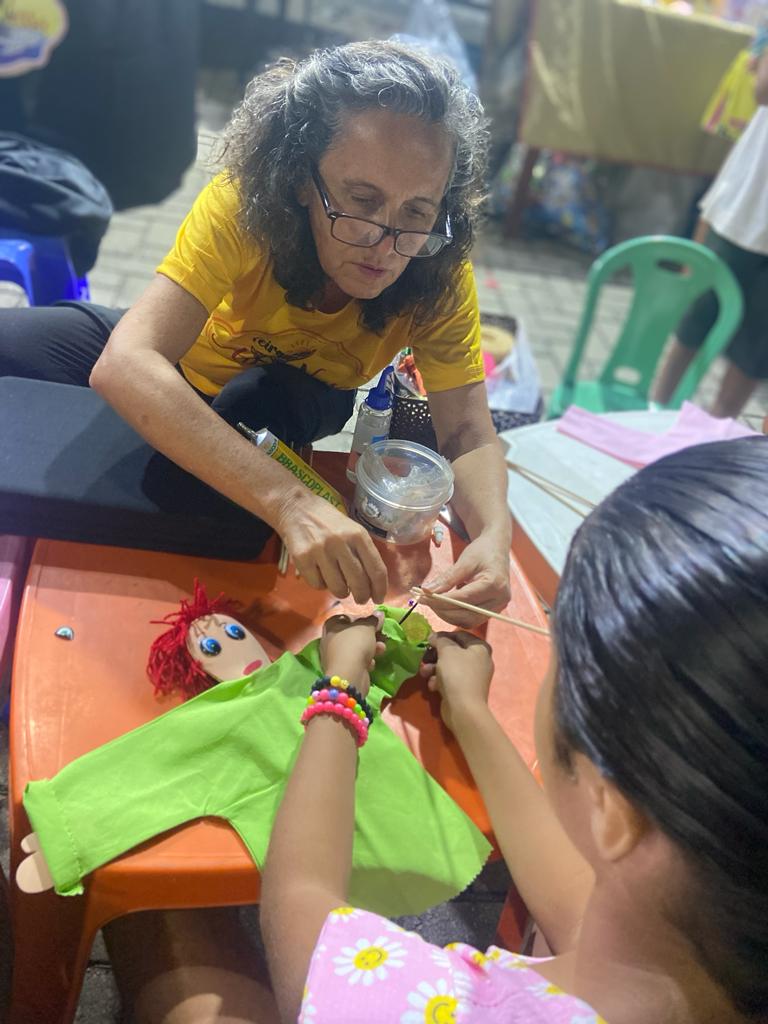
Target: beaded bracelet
[(342, 689), (335, 696)]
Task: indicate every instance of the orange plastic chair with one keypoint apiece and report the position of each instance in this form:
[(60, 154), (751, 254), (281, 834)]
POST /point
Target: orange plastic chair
[(71, 696)]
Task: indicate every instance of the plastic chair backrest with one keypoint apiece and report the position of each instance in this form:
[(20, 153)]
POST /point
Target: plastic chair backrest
[(43, 267), (669, 275)]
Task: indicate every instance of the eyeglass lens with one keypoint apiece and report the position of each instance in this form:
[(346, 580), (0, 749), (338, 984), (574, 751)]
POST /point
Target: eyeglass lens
[(355, 231)]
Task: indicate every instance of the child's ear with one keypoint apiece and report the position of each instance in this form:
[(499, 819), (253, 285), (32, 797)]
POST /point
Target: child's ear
[(616, 824)]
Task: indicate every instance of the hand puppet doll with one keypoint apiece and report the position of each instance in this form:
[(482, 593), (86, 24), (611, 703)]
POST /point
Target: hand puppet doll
[(227, 752)]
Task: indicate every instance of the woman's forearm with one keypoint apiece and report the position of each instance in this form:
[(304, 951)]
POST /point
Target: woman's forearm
[(480, 494), (466, 436), (553, 879), (154, 398)]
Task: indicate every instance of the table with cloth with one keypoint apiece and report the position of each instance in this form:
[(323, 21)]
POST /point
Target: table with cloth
[(590, 455), (621, 81)]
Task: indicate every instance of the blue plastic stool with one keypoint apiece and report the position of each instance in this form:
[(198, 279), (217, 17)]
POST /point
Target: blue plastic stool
[(16, 258), (42, 265)]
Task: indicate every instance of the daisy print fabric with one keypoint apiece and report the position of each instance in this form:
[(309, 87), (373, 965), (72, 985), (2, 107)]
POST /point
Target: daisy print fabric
[(366, 968)]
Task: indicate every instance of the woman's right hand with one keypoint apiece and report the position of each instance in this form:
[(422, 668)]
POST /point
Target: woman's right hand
[(331, 551), (459, 667)]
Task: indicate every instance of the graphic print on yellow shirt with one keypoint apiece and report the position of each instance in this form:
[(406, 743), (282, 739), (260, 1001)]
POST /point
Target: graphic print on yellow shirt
[(251, 324)]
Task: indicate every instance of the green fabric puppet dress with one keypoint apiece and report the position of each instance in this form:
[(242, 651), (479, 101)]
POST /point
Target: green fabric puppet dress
[(228, 753)]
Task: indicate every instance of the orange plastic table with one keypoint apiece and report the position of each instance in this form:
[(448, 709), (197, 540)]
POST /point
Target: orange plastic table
[(71, 696)]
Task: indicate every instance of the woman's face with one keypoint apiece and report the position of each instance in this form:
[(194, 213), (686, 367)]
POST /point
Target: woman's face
[(386, 167)]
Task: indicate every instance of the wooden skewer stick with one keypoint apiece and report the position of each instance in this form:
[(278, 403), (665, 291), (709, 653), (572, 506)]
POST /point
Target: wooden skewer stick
[(557, 496), (553, 490), (420, 593), (563, 501), (548, 485)]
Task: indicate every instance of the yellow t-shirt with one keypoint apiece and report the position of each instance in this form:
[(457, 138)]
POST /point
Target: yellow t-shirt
[(251, 324)]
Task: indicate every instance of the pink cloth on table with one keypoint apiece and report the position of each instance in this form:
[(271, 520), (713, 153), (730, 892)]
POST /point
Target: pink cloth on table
[(366, 968), (638, 447)]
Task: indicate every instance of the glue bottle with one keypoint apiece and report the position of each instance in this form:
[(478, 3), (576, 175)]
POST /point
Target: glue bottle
[(275, 449), (373, 419)]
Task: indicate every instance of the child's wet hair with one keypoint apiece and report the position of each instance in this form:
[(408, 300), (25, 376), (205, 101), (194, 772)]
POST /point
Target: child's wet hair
[(661, 627)]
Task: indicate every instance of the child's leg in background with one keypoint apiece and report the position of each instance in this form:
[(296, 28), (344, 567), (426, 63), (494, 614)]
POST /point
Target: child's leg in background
[(748, 351), (747, 267), (188, 966), (736, 389)]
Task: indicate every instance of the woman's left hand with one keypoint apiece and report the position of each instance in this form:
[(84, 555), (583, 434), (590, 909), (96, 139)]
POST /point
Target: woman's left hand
[(480, 576), (348, 647)]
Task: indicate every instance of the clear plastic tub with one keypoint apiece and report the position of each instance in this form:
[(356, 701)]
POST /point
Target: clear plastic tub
[(401, 487)]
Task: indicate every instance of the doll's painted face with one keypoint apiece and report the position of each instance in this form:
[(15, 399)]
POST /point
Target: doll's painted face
[(224, 648)]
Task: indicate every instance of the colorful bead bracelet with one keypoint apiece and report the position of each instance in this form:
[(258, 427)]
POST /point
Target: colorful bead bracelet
[(337, 684), (332, 695)]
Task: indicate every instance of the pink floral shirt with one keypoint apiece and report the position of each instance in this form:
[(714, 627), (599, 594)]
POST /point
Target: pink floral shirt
[(368, 970)]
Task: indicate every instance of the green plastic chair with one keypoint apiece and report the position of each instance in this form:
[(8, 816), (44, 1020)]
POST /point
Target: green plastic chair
[(662, 294)]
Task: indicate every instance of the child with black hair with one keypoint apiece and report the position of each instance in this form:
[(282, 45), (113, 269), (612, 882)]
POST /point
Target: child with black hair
[(644, 858)]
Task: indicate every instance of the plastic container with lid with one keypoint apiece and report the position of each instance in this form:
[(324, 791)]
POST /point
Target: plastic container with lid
[(401, 487)]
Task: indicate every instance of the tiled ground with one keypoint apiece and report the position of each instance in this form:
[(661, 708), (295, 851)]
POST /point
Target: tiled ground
[(538, 282)]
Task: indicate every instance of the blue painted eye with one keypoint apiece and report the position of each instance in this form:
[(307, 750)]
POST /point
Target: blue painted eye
[(210, 647), (236, 632)]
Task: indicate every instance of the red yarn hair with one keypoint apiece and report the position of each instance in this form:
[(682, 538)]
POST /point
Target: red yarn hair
[(170, 666)]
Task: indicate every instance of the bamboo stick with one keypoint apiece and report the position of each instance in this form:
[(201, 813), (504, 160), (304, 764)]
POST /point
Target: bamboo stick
[(556, 491), (420, 593), (550, 484)]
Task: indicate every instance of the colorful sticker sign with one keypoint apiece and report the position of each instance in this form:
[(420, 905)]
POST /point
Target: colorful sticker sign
[(29, 31)]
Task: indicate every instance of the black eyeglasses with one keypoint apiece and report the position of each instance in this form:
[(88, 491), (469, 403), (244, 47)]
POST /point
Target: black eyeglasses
[(367, 233)]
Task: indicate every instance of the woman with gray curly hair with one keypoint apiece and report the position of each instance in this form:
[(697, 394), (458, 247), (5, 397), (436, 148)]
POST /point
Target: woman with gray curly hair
[(336, 235)]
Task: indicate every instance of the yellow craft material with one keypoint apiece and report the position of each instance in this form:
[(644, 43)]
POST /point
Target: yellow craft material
[(496, 341), (275, 449), (733, 104)]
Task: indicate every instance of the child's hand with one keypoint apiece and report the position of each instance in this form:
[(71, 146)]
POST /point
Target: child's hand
[(348, 647), (460, 670)]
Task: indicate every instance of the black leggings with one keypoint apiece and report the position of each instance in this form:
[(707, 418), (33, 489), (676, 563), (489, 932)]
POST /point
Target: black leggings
[(61, 343), (748, 348)]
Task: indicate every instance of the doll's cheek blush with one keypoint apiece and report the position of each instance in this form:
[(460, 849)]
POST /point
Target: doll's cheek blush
[(252, 666)]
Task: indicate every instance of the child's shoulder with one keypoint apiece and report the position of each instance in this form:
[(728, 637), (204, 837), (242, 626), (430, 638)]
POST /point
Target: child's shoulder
[(367, 968)]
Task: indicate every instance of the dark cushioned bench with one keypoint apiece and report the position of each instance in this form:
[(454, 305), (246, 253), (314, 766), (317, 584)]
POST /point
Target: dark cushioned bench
[(72, 469)]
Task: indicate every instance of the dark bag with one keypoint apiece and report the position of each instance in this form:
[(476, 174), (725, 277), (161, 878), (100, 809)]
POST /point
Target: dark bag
[(45, 191), (72, 469)]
